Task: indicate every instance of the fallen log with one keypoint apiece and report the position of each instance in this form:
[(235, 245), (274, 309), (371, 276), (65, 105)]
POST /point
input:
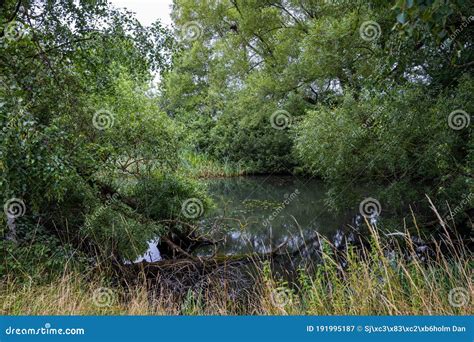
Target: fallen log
[(193, 263)]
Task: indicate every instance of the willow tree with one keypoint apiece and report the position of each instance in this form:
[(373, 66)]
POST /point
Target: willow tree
[(363, 91)]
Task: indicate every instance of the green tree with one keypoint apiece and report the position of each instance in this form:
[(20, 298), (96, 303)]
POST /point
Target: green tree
[(81, 132), (369, 86)]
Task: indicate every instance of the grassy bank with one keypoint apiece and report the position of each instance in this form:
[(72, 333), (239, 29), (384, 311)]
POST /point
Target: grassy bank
[(202, 166), (372, 284)]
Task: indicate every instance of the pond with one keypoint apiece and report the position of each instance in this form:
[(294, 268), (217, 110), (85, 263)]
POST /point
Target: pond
[(259, 213)]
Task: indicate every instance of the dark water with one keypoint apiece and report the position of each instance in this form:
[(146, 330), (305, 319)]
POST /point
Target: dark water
[(257, 214)]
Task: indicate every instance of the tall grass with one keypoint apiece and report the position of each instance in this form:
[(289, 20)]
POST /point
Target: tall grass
[(374, 283), (203, 166)]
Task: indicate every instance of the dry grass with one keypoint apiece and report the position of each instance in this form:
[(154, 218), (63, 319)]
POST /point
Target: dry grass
[(371, 285)]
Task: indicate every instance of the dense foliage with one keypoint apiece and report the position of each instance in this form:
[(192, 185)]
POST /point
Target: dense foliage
[(94, 159), (81, 134), (364, 90)]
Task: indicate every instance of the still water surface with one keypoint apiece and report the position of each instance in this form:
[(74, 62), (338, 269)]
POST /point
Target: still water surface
[(257, 214)]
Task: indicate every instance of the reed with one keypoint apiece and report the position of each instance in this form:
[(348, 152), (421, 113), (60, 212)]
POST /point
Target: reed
[(374, 283), (202, 166)]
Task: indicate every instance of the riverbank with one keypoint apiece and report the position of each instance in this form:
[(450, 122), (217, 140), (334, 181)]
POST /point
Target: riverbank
[(201, 166), (374, 282)]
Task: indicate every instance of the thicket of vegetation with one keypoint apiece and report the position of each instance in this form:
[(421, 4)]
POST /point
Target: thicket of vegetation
[(361, 91), (377, 285), (96, 160), (89, 160)]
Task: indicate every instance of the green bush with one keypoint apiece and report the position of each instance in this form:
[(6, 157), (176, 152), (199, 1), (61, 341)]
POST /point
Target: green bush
[(79, 128), (162, 196), (399, 140), (36, 254)]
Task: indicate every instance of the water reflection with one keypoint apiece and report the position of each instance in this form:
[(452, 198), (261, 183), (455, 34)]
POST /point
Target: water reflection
[(257, 214), (151, 255)]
